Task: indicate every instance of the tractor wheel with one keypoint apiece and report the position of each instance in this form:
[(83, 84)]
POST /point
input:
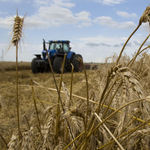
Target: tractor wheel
[(34, 65), (57, 65), (78, 66)]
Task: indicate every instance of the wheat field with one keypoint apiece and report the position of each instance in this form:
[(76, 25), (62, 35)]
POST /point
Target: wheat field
[(116, 88), (105, 108)]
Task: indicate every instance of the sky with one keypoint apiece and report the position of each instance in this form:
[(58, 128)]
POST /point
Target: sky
[(96, 28)]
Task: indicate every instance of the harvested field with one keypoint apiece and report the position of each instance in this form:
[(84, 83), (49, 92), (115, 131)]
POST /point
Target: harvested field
[(126, 89), (46, 97)]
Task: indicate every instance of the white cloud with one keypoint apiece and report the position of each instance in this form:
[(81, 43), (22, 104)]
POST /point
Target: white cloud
[(109, 2), (6, 22), (36, 22), (108, 21), (61, 3), (56, 15), (126, 15), (83, 16)]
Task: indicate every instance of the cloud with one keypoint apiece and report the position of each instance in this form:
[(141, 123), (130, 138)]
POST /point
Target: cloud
[(6, 22), (107, 45), (116, 45), (109, 2), (61, 3), (57, 14), (92, 44), (34, 21), (53, 13), (108, 21), (126, 15)]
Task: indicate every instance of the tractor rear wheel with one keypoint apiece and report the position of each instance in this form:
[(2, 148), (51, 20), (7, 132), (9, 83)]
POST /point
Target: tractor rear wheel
[(34, 65), (58, 64), (78, 66)]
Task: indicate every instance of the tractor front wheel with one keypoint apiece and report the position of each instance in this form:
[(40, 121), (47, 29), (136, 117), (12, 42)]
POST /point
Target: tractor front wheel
[(78, 66), (58, 65), (34, 65)]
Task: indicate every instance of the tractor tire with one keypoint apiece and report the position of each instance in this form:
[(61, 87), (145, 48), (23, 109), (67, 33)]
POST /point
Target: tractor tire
[(57, 65), (78, 66), (34, 65)]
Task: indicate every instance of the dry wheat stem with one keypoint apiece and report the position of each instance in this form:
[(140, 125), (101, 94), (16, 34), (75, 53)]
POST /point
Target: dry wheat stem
[(110, 101), (103, 93), (4, 141), (109, 132), (133, 130), (58, 108), (115, 113), (17, 33), (138, 51), (59, 93), (71, 83), (27, 121), (34, 101), (90, 133), (82, 98), (49, 61), (144, 49), (131, 122), (87, 90), (126, 43), (138, 54), (127, 133), (18, 116), (43, 87)]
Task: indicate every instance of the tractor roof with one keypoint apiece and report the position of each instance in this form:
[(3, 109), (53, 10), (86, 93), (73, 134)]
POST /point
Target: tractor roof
[(59, 41)]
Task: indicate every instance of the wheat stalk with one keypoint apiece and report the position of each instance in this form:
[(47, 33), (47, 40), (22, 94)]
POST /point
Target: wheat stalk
[(109, 132), (17, 34), (34, 101), (4, 141)]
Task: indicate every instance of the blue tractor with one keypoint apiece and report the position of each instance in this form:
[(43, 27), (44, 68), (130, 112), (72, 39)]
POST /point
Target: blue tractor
[(56, 51)]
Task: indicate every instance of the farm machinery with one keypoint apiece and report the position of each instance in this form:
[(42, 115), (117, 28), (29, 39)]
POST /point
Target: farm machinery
[(56, 51)]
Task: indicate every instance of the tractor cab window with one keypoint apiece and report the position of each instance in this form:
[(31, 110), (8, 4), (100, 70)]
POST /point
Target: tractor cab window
[(58, 46), (52, 46), (66, 47)]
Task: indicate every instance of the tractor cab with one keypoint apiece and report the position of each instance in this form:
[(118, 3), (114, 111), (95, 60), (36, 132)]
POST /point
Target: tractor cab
[(56, 48), (62, 46)]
